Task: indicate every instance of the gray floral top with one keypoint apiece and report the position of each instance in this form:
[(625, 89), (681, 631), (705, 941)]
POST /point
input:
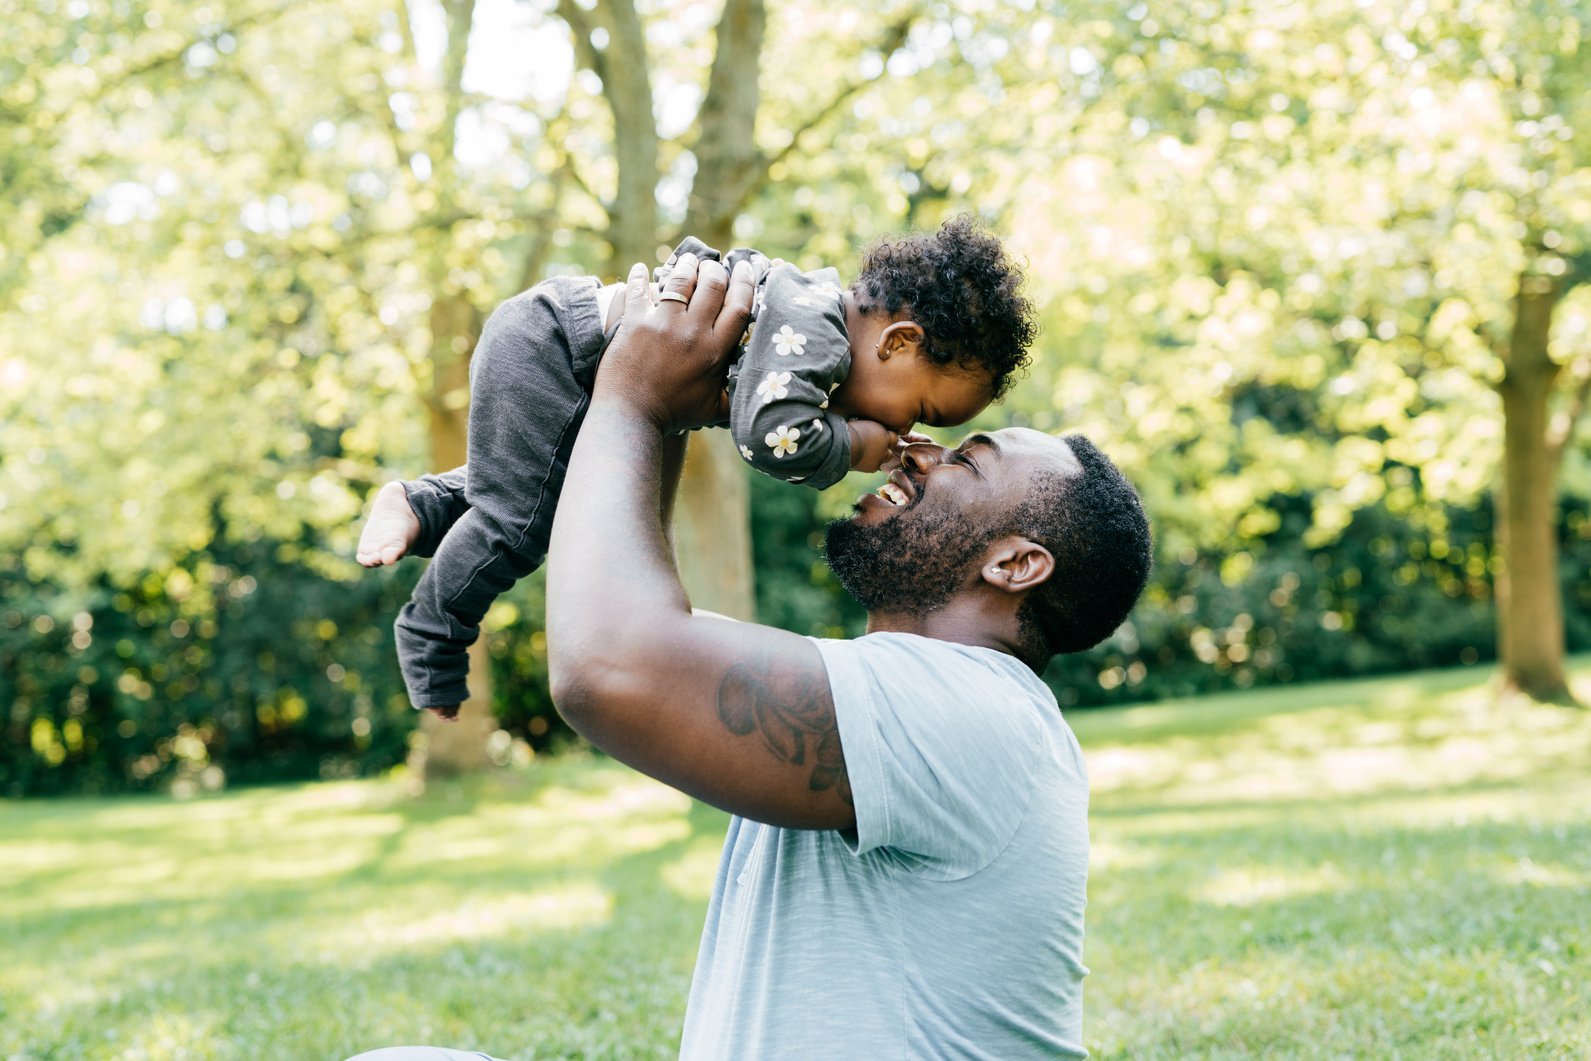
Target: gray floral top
[(795, 352)]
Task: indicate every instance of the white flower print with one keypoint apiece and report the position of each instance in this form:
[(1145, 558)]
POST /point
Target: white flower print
[(783, 440), (745, 452), (802, 300), (774, 385), (788, 341)]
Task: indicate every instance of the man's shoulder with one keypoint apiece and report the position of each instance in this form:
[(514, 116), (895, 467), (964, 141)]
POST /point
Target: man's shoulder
[(893, 646), (910, 668)]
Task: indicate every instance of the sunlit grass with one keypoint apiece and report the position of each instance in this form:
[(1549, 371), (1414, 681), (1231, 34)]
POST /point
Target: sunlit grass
[(1394, 868), (1377, 869), (551, 913)]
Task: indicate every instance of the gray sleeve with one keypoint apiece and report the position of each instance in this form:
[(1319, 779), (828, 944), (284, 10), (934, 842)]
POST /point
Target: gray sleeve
[(691, 245), (797, 352)]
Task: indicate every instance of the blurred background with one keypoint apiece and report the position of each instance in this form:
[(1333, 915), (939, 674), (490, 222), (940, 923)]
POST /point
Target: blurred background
[(1317, 275)]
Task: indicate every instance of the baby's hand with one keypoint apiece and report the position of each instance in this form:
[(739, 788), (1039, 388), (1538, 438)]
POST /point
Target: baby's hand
[(910, 438), (871, 444)]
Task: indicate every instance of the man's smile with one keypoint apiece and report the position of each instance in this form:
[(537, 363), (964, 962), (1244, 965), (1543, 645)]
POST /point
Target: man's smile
[(898, 491)]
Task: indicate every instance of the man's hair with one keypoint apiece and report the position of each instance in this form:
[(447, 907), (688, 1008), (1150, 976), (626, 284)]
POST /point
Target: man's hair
[(1094, 525), (961, 287)]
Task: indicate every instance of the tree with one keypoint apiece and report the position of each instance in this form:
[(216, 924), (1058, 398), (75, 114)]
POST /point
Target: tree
[(1314, 248), (324, 205)]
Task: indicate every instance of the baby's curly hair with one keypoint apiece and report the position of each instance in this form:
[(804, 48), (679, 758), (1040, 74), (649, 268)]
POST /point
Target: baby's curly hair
[(961, 287)]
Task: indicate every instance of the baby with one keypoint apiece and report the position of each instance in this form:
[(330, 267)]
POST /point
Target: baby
[(827, 381)]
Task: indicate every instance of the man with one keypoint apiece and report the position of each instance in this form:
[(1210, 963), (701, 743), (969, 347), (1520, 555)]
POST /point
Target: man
[(904, 875)]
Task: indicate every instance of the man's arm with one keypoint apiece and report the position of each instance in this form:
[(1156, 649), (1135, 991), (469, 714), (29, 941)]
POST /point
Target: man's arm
[(736, 714)]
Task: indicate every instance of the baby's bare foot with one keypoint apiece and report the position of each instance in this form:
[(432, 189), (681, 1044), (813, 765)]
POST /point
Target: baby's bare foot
[(391, 529)]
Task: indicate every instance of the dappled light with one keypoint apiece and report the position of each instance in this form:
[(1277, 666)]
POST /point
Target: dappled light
[(556, 890), (1374, 863), (1253, 885), (502, 918), (1294, 750), (691, 875), (1334, 869), (1316, 274)]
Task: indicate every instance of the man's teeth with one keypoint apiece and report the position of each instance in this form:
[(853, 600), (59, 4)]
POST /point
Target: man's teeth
[(893, 494)]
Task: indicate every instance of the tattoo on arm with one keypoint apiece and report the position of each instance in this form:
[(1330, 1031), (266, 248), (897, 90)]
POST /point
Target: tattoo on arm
[(793, 710)]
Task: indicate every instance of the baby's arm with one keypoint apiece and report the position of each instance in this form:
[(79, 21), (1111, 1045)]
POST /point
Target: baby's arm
[(796, 354), (871, 444)]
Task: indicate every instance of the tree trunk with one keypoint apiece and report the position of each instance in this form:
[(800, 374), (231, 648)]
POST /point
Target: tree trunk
[(625, 71), (457, 747), (1530, 639), (728, 162), (713, 515), (712, 527)]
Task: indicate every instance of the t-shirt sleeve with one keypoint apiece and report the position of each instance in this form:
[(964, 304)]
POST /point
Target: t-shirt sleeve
[(797, 353), (940, 751)]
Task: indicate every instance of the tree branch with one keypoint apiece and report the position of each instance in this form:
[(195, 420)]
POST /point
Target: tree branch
[(756, 176), (105, 86), (622, 66), (727, 158), (460, 17), (893, 39)]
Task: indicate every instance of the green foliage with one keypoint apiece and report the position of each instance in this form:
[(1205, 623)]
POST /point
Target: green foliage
[(1375, 869), (1325, 201), (239, 665), (1276, 247), (1394, 591), (1400, 588)]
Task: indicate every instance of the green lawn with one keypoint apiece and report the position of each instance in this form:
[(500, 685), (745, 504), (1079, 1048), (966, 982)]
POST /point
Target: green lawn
[(1376, 869)]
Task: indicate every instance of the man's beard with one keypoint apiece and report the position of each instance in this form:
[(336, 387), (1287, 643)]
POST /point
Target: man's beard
[(912, 562)]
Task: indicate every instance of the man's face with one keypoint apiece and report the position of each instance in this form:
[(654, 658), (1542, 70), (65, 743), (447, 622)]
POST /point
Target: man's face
[(920, 538)]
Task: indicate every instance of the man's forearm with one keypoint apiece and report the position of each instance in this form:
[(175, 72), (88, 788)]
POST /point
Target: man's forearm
[(673, 464)]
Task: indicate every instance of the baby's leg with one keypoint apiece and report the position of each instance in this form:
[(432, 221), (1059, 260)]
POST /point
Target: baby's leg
[(410, 518), (529, 382), (390, 531)]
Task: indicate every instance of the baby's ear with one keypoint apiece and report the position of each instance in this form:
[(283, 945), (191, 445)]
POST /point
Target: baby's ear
[(902, 337)]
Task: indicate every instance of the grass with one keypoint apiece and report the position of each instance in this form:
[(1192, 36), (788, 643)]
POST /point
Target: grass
[(1381, 869)]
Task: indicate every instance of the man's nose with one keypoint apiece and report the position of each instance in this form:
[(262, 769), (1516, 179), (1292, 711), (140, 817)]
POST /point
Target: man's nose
[(922, 457)]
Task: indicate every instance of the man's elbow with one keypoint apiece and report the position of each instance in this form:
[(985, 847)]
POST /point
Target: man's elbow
[(576, 691), (588, 686)]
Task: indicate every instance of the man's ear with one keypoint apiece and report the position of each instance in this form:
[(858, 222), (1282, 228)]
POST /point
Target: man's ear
[(1017, 565), (900, 338)]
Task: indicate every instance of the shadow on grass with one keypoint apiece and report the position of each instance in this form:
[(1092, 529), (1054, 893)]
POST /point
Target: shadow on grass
[(561, 908)]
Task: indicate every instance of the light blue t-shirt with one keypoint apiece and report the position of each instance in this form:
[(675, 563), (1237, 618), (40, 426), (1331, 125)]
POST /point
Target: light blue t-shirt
[(950, 923)]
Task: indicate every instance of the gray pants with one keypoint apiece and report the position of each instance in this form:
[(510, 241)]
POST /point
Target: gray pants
[(486, 526)]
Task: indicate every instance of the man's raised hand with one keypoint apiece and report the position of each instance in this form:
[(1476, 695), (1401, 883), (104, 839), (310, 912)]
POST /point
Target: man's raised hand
[(671, 356)]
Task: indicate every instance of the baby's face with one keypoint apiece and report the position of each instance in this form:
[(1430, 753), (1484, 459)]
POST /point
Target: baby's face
[(908, 389)]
